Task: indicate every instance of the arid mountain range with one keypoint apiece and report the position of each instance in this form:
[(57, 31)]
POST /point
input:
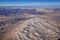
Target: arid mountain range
[(29, 24)]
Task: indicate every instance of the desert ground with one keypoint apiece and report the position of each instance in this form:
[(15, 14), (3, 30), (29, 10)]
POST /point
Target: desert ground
[(29, 23)]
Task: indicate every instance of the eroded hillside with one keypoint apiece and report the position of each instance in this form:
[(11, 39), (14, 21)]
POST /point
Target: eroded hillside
[(29, 24)]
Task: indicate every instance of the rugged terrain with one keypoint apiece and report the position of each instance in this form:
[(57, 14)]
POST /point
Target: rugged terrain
[(29, 24)]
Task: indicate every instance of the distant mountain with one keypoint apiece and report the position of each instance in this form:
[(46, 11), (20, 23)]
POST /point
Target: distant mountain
[(9, 11), (19, 7), (56, 9)]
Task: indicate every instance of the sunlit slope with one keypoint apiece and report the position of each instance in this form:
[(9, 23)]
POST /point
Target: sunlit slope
[(32, 29)]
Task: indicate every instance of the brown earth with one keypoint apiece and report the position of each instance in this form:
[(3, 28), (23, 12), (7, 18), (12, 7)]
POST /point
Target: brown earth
[(30, 25)]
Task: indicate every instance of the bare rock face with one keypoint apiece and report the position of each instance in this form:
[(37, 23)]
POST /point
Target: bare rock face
[(32, 29)]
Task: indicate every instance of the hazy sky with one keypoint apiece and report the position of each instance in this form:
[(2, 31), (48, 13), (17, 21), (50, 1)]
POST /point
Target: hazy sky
[(29, 2)]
